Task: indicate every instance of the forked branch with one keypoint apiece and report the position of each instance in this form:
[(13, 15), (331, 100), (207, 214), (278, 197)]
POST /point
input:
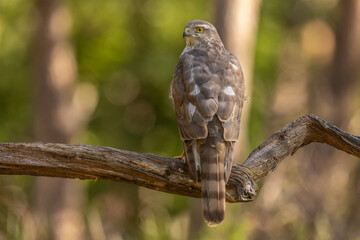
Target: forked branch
[(166, 174)]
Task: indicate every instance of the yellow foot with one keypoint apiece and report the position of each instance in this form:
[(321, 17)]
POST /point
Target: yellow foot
[(181, 157)]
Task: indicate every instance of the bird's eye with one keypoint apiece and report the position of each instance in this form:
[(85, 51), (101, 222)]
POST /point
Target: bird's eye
[(199, 29)]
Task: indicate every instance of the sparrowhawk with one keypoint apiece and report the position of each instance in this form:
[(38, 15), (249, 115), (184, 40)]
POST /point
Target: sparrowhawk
[(208, 93)]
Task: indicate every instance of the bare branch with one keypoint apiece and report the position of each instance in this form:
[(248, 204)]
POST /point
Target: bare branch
[(166, 174), (295, 135)]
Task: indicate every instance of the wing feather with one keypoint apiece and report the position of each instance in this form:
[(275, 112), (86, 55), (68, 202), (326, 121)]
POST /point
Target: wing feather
[(192, 117), (202, 90), (231, 99)]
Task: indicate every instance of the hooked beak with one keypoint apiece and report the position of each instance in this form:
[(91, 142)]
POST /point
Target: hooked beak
[(186, 32)]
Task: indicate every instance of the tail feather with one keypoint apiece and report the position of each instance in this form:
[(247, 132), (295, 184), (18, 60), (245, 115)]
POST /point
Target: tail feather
[(212, 156), (192, 158), (213, 182), (229, 159)]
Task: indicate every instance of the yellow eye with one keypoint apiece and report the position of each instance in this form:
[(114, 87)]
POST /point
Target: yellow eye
[(199, 29)]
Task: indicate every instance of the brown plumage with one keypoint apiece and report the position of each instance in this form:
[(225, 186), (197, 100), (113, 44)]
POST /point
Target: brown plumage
[(208, 93)]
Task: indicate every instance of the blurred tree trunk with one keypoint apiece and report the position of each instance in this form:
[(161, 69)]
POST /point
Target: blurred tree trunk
[(345, 70), (344, 87), (317, 200), (318, 73), (237, 24), (57, 201), (334, 98)]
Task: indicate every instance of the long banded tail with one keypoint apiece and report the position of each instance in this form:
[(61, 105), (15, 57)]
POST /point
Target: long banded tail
[(213, 154)]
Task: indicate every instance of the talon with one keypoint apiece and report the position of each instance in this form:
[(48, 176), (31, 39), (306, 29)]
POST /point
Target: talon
[(181, 157)]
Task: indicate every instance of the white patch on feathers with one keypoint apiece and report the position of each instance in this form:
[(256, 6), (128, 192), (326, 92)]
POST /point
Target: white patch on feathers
[(226, 163), (195, 91), (196, 155), (192, 109), (234, 66), (191, 76), (229, 91)]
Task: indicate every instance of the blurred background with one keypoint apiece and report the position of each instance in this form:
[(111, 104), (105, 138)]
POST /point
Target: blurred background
[(98, 72)]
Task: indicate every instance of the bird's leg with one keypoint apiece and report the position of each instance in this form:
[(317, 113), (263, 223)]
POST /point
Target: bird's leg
[(181, 157)]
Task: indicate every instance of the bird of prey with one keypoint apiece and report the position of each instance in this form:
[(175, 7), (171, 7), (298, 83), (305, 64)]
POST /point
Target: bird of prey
[(208, 93)]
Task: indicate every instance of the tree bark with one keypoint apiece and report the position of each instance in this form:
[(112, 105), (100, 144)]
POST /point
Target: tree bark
[(166, 174)]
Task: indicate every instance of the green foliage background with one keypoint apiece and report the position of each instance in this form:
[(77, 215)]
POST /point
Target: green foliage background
[(128, 50)]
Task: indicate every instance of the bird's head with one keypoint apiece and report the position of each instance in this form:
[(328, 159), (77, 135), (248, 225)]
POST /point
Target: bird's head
[(198, 32)]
